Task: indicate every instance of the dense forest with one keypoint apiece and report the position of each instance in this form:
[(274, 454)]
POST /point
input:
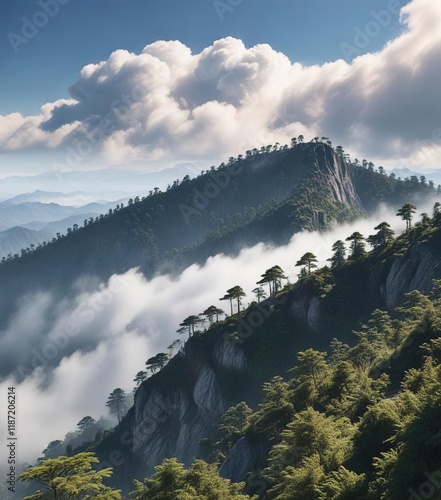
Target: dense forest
[(351, 411)]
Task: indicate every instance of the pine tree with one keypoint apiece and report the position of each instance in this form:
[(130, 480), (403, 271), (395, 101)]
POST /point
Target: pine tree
[(383, 237), (406, 213), (236, 293), (70, 477), (189, 323), (309, 261), (273, 277), (260, 294), (339, 257), (358, 248), (117, 403)]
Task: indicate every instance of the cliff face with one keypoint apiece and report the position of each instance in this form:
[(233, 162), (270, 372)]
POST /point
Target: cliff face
[(170, 420), (337, 177), (172, 417), (414, 271), (174, 409)]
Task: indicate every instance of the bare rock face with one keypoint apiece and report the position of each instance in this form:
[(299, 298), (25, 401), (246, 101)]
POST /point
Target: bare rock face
[(337, 177), (306, 307), (230, 355), (414, 271), (313, 314), (174, 412), (206, 393)]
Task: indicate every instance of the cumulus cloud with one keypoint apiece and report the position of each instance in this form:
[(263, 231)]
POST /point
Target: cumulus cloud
[(65, 357), (167, 104)]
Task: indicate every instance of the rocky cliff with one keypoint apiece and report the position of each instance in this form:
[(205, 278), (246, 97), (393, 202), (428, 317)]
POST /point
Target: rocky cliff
[(415, 270)]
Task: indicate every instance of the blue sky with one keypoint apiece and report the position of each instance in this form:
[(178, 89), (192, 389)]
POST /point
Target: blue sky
[(225, 75), (87, 31)]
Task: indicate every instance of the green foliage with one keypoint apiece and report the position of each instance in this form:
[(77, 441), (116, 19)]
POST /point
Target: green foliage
[(339, 256), (85, 423), (273, 277), (406, 213), (140, 377), (260, 294), (189, 324), (201, 482), (320, 281), (343, 484), (300, 482), (336, 427), (308, 260), (335, 433), (231, 428), (376, 427), (117, 403), (382, 238), (275, 411), (311, 366), (358, 249), (212, 312), (70, 478), (236, 293)]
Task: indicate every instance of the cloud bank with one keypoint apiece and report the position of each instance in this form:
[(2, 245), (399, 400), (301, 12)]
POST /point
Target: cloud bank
[(167, 104), (78, 351)]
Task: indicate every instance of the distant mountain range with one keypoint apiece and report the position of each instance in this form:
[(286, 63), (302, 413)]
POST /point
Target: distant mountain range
[(112, 184), (22, 213), (76, 198), (25, 223), (404, 173)]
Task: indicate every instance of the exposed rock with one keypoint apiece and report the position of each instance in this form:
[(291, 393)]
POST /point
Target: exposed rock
[(414, 271), (306, 307), (206, 393), (178, 407), (313, 313), (337, 177), (172, 416), (229, 355)]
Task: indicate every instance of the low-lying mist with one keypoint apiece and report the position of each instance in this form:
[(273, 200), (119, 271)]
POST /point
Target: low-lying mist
[(65, 357)]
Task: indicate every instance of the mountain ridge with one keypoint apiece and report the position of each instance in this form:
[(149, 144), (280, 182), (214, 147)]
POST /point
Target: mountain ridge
[(265, 197)]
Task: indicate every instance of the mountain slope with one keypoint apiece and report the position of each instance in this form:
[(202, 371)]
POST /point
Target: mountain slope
[(263, 197), (178, 407)]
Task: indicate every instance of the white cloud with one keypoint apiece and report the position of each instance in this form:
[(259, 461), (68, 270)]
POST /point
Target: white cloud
[(100, 339), (167, 104)]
